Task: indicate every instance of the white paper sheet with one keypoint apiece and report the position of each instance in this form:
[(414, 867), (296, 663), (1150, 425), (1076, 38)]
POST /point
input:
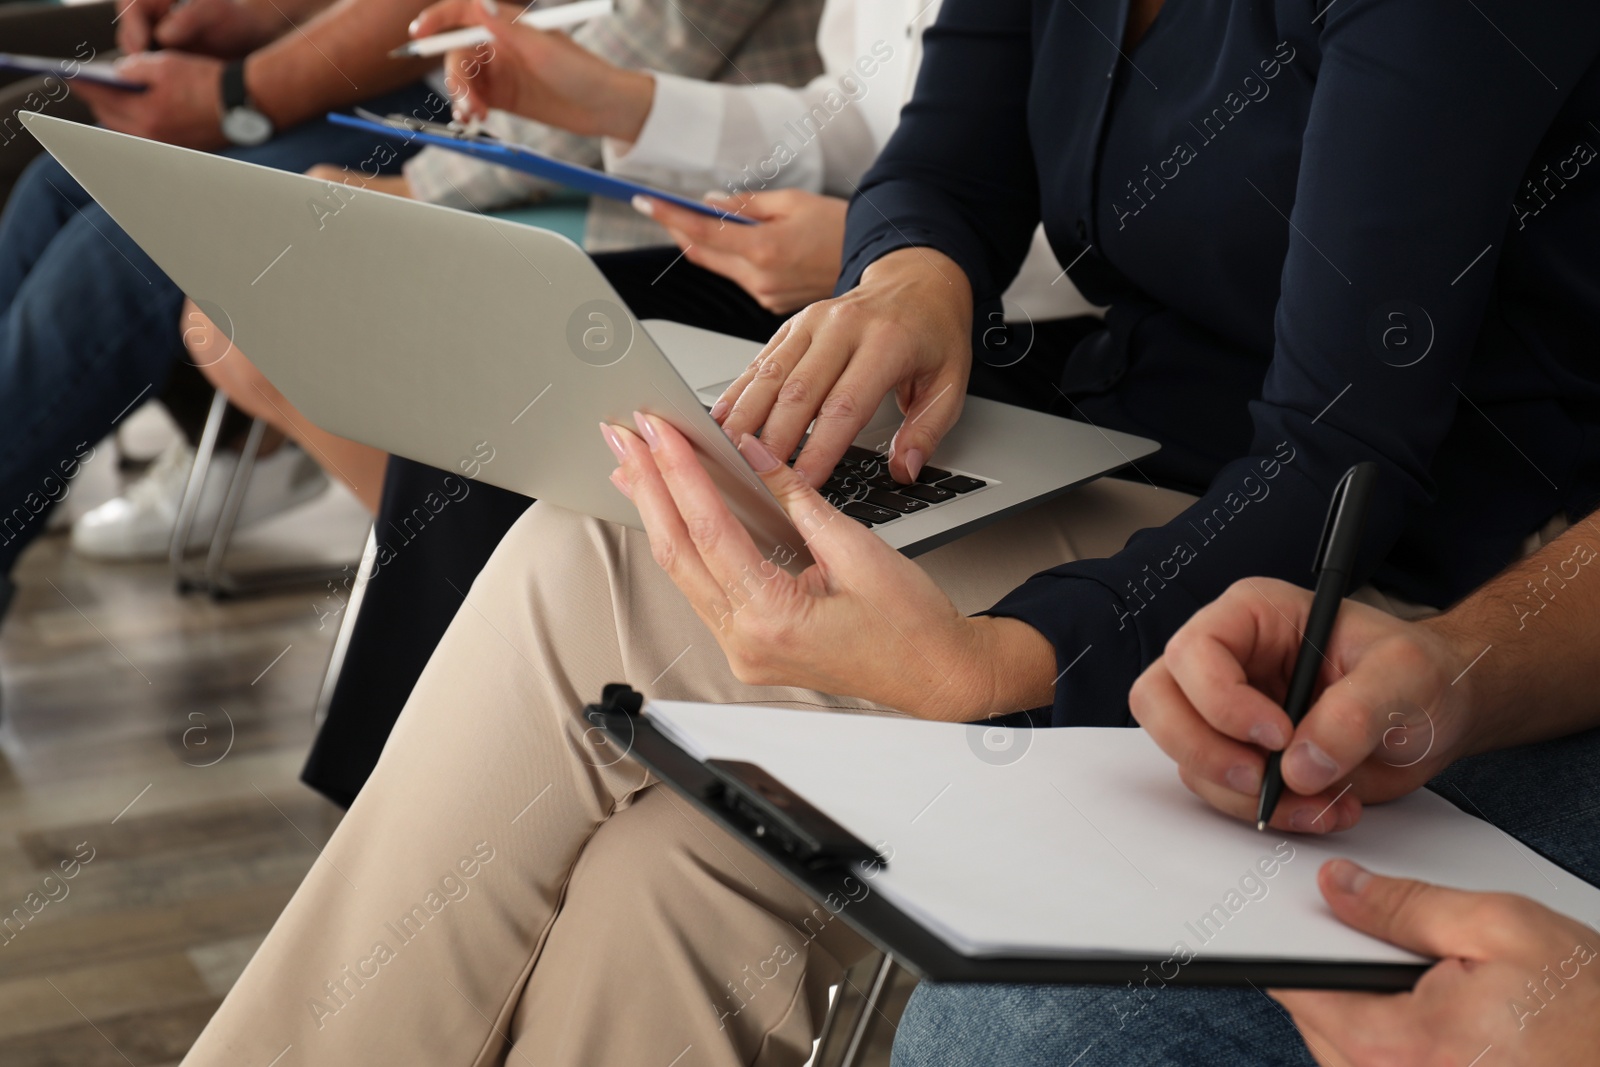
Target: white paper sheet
[(1084, 843)]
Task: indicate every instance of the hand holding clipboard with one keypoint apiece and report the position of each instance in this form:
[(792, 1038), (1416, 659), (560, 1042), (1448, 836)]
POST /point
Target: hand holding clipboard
[(96, 72), (519, 157)]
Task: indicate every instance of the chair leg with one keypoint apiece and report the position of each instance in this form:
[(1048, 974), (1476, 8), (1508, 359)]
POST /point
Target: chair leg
[(869, 1008), (347, 625), (222, 536), (847, 1025), (211, 576), (190, 505), (830, 1022)]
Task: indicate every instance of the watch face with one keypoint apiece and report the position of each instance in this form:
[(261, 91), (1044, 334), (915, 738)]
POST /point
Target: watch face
[(245, 126)]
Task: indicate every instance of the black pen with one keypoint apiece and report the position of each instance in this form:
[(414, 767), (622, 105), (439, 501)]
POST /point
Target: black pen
[(1336, 558)]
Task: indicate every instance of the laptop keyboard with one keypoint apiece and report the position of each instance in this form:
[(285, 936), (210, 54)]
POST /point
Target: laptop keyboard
[(863, 488)]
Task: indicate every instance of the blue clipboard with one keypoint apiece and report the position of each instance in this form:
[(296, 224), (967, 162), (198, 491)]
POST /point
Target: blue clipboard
[(99, 73), (520, 157)]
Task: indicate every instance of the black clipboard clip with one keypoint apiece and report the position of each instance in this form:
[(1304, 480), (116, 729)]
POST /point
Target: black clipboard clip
[(744, 793)]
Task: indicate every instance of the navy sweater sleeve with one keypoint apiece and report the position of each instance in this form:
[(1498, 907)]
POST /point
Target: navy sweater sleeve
[(970, 105), (1422, 121)]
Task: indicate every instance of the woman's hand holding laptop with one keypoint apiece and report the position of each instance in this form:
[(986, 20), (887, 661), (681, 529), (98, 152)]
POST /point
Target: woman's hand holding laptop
[(538, 74), (863, 619), (907, 328)]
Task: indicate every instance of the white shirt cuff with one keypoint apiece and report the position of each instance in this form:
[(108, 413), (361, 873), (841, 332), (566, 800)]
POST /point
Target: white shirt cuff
[(682, 131)]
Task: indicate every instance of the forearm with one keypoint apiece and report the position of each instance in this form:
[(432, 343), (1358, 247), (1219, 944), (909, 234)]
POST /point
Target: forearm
[(289, 12), (1022, 664), (337, 58), (1526, 644)]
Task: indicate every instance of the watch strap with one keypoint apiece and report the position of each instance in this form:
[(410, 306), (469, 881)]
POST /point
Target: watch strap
[(234, 93)]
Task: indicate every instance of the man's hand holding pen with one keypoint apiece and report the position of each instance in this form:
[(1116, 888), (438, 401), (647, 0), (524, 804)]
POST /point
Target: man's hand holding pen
[(1386, 719), (1394, 707)]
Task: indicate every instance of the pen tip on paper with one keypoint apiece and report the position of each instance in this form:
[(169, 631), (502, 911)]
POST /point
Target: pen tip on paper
[(1261, 825)]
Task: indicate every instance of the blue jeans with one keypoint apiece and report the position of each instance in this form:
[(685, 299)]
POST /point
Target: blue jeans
[(89, 324), (1545, 795)]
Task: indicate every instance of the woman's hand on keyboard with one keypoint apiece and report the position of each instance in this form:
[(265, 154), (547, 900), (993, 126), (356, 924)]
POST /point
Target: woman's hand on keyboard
[(907, 328)]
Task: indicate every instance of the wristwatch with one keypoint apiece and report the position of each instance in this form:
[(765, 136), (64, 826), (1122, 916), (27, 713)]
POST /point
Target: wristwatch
[(242, 124)]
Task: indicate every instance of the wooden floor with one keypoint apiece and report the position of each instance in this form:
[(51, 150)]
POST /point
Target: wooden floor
[(162, 736)]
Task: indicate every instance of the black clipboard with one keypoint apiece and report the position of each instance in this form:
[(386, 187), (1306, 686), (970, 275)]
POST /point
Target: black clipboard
[(790, 844)]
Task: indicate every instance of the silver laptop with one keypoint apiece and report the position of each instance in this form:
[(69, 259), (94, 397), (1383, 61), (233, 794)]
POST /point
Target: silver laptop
[(446, 337)]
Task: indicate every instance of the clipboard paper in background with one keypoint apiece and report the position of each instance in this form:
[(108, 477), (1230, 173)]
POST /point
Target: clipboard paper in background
[(99, 72), (1068, 855), (520, 157)]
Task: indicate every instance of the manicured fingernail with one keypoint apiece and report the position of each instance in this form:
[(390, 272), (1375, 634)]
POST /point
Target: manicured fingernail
[(1348, 877), (1309, 766), (1243, 778), (614, 441), (719, 410), (489, 6), (411, 30), (648, 429), (621, 483), (914, 461), (757, 454), (644, 206), (1268, 735)]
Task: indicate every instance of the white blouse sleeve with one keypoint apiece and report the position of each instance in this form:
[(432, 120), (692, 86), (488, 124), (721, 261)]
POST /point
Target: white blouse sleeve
[(702, 137)]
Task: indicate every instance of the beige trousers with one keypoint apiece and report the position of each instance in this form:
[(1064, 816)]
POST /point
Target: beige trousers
[(510, 889)]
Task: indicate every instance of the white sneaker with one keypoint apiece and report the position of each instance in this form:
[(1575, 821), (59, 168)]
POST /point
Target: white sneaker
[(138, 524)]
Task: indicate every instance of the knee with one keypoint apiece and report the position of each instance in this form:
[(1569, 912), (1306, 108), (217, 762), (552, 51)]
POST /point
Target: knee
[(225, 367), (200, 339), (953, 1025), (45, 178), (1091, 1026)]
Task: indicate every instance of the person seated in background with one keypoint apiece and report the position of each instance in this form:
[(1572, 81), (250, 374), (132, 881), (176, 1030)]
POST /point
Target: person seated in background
[(752, 40), (88, 323), (593, 918), (1495, 705), (689, 136), (139, 523), (771, 40)]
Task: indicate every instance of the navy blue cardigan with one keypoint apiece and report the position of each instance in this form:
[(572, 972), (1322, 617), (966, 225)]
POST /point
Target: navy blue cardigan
[(1328, 232)]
